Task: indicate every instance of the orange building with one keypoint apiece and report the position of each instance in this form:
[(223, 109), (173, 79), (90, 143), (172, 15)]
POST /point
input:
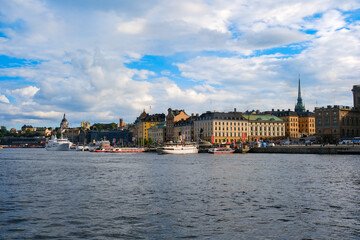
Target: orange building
[(172, 117)]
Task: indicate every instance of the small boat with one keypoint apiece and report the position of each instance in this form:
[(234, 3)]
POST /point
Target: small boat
[(178, 148), (221, 150), (127, 150)]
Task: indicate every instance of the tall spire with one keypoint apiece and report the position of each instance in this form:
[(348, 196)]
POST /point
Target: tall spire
[(299, 91), (299, 107)]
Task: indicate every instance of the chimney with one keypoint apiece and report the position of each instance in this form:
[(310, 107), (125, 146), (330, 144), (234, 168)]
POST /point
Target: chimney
[(197, 115), (257, 111), (234, 109), (121, 122)]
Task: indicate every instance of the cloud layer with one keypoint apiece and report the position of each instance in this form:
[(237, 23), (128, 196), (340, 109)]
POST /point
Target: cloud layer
[(66, 56)]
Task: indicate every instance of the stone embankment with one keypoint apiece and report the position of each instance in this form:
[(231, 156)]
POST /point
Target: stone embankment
[(313, 149)]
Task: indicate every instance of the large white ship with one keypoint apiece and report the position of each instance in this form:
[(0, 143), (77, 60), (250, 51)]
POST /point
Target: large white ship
[(55, 144), (177, 148)]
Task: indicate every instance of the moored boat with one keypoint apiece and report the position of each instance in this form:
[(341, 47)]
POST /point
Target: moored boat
[(55, 144), (127, 150), (221, 150), (178, 148)]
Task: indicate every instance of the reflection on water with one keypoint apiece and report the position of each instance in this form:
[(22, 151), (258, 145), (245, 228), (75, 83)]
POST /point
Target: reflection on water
[(71, 195)]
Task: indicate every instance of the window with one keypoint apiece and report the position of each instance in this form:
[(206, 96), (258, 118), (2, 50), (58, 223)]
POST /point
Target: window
[(335, 120)]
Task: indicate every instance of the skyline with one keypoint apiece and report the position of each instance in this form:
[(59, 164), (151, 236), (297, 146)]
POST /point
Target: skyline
[(99, 62)]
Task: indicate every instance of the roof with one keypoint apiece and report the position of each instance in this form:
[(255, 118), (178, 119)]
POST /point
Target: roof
[(255, 117), (221, 115)]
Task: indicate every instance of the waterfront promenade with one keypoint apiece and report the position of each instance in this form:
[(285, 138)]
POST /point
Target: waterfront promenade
[(309, 149)]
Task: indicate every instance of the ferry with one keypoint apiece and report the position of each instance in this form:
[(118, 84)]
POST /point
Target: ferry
[(221, 150), (178, 148), (104, 149), (127, 150)]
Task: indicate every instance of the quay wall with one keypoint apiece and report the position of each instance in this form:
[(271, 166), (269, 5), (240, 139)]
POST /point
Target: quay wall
[(308, 150)]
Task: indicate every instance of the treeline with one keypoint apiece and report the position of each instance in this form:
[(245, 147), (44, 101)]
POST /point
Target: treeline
[(5, 133)]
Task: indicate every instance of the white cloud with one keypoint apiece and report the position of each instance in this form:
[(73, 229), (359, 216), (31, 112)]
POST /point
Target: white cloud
[(4, 99), (82, 47), (27, 92)]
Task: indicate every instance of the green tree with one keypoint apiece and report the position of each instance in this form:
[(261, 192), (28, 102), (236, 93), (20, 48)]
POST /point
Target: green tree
[(150, 141), (113, 126)]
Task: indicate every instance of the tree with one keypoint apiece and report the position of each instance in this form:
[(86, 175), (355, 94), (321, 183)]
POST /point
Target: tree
[(113, 126)]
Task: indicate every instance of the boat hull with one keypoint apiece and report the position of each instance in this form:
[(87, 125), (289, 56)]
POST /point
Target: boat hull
[(59, 147)]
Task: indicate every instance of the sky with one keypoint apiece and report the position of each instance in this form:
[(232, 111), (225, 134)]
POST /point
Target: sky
[(99, 61)]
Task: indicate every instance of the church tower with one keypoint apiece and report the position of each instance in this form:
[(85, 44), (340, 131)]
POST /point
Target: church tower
[(64, 123), (299, 107)]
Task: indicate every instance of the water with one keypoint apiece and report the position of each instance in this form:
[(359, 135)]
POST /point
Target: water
[(82, 195)]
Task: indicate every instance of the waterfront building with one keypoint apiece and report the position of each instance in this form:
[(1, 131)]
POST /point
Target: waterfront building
[(172, 117), (157, 132), (144, 122), (184, 129), (306, 124), (64, 123), (291, 122), (334, 123), (265, 127), (118, 137), (221, 127)]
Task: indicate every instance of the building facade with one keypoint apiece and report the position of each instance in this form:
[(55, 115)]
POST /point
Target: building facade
[(184, 129), (265, 127), (172, 117), (157, 133), (220, 127), (144, 122), (334, 123)]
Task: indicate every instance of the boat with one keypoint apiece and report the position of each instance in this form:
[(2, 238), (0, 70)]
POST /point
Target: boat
[(177, 148), (104, 149), (98, 145), (82, 148), (221, 150), (55, 144), (127, 150)]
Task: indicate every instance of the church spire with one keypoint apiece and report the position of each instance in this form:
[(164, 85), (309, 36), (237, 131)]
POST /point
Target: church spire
[(299, 91), (299, 107)]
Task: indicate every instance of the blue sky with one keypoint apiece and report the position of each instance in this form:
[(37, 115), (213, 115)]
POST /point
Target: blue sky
[(99, 62)]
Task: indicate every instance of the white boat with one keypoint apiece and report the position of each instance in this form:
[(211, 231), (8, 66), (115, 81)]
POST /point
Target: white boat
[(127, 150), (82, 148), (98, 145), (221, 150), (55, 144), (178, 148)]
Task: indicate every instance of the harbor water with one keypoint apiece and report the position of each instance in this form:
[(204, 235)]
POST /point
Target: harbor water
[(83, 195)]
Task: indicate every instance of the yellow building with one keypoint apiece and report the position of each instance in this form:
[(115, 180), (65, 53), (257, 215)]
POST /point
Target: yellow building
[(306, 124), (220, 127), (144, 122), (297, 125), (265, 127)]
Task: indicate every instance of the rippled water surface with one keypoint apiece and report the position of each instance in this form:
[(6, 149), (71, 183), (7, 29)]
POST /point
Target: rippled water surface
[(82, 195)]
